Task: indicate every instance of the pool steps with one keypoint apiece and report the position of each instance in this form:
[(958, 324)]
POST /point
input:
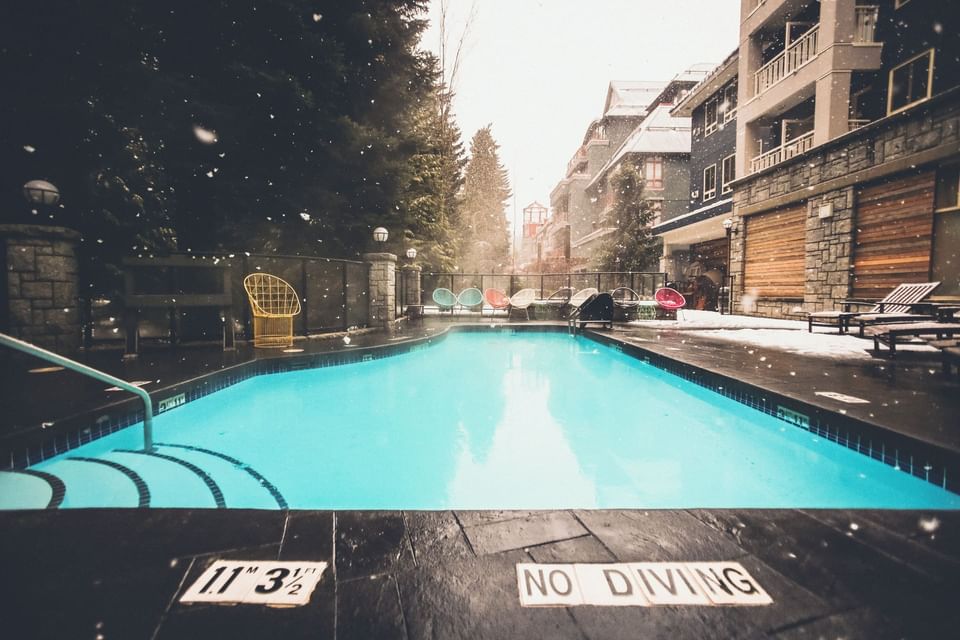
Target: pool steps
[(173, 475)]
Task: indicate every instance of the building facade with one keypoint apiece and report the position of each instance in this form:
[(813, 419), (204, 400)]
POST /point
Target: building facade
[(848, 148), (534, 217), (695, 242)]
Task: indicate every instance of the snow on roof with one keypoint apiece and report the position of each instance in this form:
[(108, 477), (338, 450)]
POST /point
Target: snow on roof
[(719, 76), (631, 97), (660, 132)]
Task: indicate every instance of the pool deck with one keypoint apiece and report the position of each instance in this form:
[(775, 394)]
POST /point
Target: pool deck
[(451, 575), (831, 573)]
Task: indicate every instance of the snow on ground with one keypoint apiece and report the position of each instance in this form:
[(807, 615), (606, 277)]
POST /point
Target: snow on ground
[(787, 335), (693, 319)]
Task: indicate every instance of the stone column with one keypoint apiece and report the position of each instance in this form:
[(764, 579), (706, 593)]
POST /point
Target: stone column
[(411, 284), (382, 309), (39, 300)]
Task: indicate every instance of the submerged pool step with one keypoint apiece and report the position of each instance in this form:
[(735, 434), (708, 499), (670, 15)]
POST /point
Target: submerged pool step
[(30, 489), (172, 475)]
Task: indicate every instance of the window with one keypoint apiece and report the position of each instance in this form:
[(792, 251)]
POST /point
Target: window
[(729, 173), (945, 262), (947, 197), (653, 173), (910, 82), (710, 182), (656, 210), (710, 117), (730, 102)]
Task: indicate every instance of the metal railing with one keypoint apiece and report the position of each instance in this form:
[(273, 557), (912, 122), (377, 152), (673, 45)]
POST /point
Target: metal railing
[(786, 151), (645, 283), (866, 23), (73, 365), (856, 123), (789, 60)]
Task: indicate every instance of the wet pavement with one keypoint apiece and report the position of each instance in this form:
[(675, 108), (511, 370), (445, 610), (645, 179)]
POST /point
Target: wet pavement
[(831, 573), (448, 575)]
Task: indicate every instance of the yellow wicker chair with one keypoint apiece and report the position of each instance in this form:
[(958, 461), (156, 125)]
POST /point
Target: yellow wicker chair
[(274, 303)]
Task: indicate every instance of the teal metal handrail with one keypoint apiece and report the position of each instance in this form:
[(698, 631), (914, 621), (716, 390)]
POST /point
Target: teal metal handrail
[(73, 365)]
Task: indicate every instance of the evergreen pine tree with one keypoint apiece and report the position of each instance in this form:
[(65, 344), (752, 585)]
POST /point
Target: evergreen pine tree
[(486, 192), (632, 246)]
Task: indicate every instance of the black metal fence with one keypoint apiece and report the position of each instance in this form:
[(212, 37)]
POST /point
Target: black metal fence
[(645, 283), (333, 296)]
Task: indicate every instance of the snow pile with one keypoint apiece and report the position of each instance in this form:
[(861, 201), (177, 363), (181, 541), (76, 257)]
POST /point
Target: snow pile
[(822, 345), (693, 319)]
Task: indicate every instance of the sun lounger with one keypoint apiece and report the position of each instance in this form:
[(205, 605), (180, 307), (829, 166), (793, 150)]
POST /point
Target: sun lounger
[(889, 333), (898, 306), (597, 308)]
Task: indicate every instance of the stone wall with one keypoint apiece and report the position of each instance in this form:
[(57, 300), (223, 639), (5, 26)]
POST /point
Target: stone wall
[(41, 285), (382, 310), (825, 180)]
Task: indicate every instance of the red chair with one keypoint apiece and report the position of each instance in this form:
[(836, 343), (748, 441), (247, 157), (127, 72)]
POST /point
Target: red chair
[(497, 300), (670, 300)]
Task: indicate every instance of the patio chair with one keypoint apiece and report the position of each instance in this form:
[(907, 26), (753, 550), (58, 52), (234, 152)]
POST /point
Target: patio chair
[(897, 306), (670, 301), (497, 300), (470, 298), (626, 302), (521, 301), (445, 299), (555, 304), (597, 308), (274, 303)]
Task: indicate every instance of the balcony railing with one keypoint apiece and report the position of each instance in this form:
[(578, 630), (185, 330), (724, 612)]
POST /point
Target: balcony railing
[(784, 152), (792, 58), (866, 23), (579, 158), (856, 123)]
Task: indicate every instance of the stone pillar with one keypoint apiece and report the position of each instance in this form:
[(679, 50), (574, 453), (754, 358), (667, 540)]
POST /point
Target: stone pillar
[(39, 300), (382, 309), (411, 284)]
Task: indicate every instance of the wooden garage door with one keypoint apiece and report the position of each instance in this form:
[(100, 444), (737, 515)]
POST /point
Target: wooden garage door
[(774, 253), (893, 236)]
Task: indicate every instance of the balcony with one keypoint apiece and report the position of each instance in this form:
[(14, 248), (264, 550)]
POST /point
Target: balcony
[(866, 23), (578, 163), (787, 62), (856, 123), (784, 152)]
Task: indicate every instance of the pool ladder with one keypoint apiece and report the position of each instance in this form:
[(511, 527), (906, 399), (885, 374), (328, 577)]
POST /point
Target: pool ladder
[(73, 365)]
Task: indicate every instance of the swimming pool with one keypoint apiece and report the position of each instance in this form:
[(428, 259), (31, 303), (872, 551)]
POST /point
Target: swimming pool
[(476, 421)]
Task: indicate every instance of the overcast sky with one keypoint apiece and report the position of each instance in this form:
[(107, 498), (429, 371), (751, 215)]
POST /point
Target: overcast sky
[(538, 70)]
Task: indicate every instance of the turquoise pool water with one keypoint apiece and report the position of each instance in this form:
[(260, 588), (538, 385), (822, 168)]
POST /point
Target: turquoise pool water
[(477, 421)]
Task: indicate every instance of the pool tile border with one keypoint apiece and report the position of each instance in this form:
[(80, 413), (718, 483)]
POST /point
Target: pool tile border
[(927, 462)]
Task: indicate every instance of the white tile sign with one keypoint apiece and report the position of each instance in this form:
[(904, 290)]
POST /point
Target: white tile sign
[(279, 584), (842, 397), (638, 584)]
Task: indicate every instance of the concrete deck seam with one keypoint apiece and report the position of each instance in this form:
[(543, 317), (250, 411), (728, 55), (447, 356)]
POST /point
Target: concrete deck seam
[(406, 535), (403, 616), (595, 536), (333, 572), (810, 620), (878, 550), (173, 598), (463, 532), (283, 536)]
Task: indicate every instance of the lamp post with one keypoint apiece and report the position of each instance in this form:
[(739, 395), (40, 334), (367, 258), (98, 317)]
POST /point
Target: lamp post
[(40, 193), (728, 228), (380, 236), (411, 254)]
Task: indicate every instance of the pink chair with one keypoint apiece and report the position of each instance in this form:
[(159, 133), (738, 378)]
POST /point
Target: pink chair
[(497, 300), (670, 300)]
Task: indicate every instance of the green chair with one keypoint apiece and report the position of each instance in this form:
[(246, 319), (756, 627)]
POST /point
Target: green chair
[(471, 299), (445, 299)]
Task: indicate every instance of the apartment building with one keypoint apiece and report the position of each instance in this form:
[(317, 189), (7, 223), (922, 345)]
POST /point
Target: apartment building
[(695, 242), (625, 106), (848, 151)]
